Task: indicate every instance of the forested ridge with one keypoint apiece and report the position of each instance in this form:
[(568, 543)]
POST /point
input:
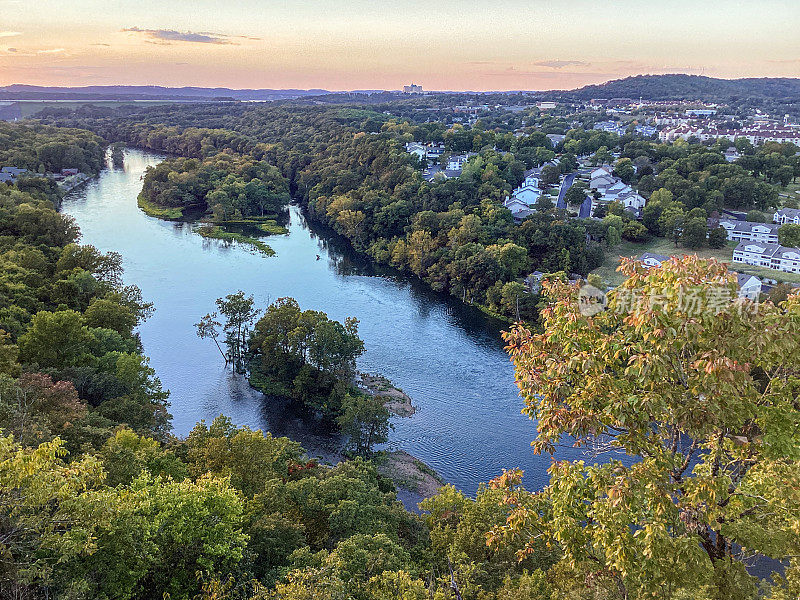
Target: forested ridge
[(690, 409), (774, 94)]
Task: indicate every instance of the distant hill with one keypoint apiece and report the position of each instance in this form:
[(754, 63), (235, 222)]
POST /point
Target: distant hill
[(147, 92), (692, 87)]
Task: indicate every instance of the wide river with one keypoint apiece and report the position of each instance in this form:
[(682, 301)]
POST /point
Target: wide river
[(446, 355)]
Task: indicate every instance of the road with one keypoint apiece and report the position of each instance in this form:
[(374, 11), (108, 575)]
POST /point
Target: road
[(586, 209), (565, 185)]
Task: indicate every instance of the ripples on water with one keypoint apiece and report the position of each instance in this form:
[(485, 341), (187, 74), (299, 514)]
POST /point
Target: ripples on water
[(447, 356)]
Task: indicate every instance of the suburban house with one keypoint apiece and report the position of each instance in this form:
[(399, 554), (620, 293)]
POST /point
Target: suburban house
[(529, 191), (771, 256), (611, 188), (747, 231), (524, 197), (533, 282), (749, 286), (651, 260), (787, 215), (519, 210), (416, 148), (10, 174), (425, 151), (731, 154), (456, 162)]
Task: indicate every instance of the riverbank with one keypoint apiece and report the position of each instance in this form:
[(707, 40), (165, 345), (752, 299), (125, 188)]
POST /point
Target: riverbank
[(216, 232), (159, 212), (414, 479), (395, 400), (409, 473)]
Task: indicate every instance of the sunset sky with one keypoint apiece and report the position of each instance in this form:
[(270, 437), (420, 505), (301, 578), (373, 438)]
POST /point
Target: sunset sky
[(383, 44)]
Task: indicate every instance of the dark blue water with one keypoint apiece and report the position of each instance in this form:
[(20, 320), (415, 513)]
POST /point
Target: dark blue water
[(447, 356)]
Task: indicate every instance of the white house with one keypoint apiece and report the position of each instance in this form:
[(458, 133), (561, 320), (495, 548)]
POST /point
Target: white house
[(771, 256), (600, 171), (613, 189), (787, 215), (749, 286), (456, 162), (786, 259), (632, 201), (749, 231), (731, 154), (425, 151), (417, 149), (529, 191), (519, 210), (651, 260)]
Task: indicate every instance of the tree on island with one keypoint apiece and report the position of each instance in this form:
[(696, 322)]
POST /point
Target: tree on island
[(118, 154), (365, 422), (693, 396), (239, 315)]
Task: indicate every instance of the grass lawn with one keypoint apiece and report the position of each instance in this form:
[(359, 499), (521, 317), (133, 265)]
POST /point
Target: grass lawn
[(608, 273), (160, 212), (764, 273), (791, 191)]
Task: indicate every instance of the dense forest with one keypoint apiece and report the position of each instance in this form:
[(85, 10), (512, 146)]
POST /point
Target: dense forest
[(690, 411), (454, 234), (42, 149), (348, 168)]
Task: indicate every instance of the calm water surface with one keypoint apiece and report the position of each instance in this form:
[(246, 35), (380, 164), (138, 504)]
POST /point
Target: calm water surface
[(447, 356)]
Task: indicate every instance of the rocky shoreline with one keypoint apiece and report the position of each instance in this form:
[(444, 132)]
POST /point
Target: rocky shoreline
[(395, 400), (414, 479)]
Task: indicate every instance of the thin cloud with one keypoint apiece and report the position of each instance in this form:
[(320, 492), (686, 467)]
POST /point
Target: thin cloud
[(51, 51), (168, 36), (4, 34), (560, 64)]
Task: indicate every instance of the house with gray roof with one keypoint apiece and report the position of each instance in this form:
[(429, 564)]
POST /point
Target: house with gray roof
[(10, 174), (787, 215), (650, 260), (747, 231), (749, 286), (771, 256)]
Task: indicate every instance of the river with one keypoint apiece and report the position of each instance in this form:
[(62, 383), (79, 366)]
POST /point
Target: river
[(446, 355)]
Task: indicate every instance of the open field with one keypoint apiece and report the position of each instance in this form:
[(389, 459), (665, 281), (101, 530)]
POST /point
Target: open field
[(607, 271)]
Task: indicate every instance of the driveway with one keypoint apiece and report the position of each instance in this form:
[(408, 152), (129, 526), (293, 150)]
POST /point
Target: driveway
[(565, 185)]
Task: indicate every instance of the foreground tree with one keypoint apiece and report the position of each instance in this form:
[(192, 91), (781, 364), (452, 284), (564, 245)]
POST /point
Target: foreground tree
[(698, 394), (239, 313)]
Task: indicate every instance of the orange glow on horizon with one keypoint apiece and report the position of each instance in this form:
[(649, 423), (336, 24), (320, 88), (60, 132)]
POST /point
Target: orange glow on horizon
[(338, 45)]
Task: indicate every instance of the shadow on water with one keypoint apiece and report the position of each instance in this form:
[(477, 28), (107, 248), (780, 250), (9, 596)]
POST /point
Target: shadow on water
[(346, 261)]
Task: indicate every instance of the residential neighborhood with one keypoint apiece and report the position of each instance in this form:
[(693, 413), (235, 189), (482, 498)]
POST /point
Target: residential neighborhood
[(771, 256)]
